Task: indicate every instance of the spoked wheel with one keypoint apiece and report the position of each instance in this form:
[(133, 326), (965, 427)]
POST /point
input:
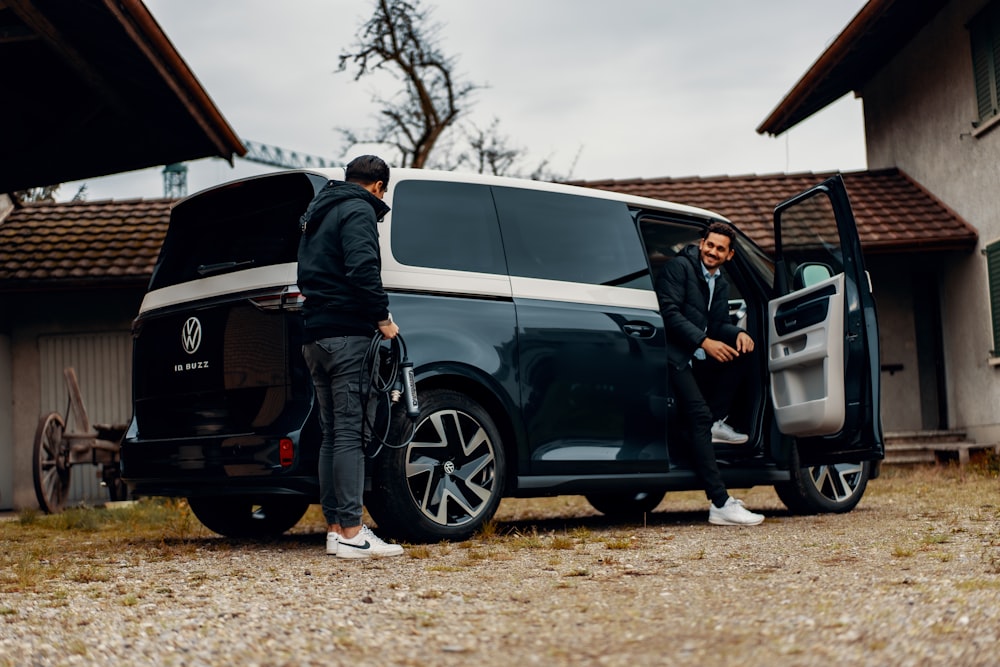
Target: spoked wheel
[(835, 487), (448, 480), (51, 457)]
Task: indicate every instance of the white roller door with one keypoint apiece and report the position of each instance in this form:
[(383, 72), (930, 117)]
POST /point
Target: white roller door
[(103, 363)]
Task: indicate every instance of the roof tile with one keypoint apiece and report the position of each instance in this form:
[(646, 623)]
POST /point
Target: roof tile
[(893, 212)]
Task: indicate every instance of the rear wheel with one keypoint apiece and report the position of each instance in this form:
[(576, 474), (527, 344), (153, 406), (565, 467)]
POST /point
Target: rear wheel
[(448, 480), (244, 517), (625, 505), (835, 487)]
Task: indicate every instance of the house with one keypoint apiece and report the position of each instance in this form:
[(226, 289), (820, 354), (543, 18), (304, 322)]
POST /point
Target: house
[(94, 88), (928, 75)]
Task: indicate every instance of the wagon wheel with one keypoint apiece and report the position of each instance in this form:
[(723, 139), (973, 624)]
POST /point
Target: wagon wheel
[(51, 456)]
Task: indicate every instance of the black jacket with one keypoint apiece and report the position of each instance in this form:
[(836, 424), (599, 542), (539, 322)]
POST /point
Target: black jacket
[(683, 295), (340, 267)]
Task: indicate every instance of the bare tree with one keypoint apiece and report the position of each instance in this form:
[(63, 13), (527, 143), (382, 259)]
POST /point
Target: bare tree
[(489, 152), (398, 40)]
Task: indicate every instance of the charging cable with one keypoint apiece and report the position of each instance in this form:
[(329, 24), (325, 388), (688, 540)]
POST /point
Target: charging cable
[(387, 374)]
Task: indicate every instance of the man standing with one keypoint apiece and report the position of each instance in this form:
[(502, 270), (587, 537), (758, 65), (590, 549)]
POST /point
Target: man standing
[(694, 301), (340, 274)]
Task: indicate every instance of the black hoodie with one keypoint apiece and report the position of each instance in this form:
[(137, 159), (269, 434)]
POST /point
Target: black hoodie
[(340, 267)]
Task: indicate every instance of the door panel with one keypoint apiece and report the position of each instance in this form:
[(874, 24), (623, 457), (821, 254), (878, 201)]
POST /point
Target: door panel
[(823, 353), (806, 358)]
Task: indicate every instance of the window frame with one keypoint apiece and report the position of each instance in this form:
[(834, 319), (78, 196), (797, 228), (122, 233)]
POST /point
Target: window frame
[(992, 253), (984, 42)]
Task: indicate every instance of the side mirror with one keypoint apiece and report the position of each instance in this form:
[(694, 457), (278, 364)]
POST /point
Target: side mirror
[(810, 273)]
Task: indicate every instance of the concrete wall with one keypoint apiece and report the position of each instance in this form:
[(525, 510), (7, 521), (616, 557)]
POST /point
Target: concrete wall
[(44, 314), (919, 111)]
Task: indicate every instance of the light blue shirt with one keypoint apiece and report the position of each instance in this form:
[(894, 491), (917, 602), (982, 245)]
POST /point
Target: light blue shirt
[(710, 279)]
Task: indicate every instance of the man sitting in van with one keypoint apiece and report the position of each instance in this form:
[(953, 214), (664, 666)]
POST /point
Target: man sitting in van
[(706, 352)]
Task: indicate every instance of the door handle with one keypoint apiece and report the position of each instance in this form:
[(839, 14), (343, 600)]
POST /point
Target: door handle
[(639, 329)]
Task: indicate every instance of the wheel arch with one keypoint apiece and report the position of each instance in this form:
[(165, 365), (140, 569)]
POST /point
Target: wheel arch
[(491, 398)]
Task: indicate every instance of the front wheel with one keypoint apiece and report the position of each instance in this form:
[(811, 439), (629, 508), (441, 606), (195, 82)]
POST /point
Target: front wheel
[(835, 487), (244, 517), (448, 480)]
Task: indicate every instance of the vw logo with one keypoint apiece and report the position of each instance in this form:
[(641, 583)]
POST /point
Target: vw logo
[(191, 335)]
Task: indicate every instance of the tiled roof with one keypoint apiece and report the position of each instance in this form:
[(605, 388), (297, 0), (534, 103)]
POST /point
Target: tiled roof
[(893, 213), (101, 243), (108, 243)]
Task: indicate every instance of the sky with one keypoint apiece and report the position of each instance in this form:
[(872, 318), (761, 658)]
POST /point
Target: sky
[(598, 89)]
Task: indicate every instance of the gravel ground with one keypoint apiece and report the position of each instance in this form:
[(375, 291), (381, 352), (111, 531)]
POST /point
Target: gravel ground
[(911, 577)]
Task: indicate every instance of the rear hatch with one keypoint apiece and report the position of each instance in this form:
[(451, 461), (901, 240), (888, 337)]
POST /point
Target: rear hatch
[(217, 338)]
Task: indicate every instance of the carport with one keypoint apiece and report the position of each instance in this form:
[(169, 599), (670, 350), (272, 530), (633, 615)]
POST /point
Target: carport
[(92, 87)]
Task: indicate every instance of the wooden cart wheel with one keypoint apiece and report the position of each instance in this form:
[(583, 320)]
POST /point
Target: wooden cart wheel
[(51, 456)]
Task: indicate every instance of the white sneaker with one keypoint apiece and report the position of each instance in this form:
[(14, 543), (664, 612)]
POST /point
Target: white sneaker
[(733, 513), (332, 542), (725, 434), (365, 545)]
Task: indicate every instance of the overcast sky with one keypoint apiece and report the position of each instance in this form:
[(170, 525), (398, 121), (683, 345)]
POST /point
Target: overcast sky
[(602, 89)]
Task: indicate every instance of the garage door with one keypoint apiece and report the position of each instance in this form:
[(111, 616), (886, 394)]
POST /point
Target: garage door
[(103, 363)]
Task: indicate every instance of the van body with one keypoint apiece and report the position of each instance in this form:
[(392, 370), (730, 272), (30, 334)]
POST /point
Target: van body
[(538, 350)]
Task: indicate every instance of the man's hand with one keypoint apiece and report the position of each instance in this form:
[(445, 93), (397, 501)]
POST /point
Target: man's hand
[(718, 350), (389, 330), (744, 343)]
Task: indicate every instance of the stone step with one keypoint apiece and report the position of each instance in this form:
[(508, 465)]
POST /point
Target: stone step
[(909, 452), (930, 437)]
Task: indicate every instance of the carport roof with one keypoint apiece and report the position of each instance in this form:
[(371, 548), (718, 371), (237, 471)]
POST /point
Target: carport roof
[(116, 243), (94, 87)]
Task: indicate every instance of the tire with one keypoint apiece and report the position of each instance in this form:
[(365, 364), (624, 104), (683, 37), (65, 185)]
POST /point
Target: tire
[(833, 488), (243, 517), (448, 481), (625, 505)]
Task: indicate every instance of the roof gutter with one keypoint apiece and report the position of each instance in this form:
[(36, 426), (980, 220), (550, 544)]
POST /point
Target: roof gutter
[(779, 120)]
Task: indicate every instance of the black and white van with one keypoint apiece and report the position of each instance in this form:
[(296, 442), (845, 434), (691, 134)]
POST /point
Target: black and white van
[(529, 314)]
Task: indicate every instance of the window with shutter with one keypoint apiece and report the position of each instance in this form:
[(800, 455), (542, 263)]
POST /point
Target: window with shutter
[(993, 272), (984, 34)]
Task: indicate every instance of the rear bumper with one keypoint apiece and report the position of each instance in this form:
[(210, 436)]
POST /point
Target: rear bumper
[(234, 465)]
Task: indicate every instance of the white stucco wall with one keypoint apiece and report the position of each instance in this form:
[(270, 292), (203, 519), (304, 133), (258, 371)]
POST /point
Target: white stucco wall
[(919, 112)]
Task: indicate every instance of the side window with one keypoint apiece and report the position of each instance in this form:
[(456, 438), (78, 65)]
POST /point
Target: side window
[(984, 33), (993, 274), (556, 236), (446, 226)]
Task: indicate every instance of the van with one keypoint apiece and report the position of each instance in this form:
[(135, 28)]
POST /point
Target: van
[(537, 346)]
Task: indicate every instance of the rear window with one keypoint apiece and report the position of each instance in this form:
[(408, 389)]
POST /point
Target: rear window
[(235, 227)]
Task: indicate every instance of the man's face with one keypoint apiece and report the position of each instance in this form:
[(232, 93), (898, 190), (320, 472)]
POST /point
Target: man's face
[(715, 251)]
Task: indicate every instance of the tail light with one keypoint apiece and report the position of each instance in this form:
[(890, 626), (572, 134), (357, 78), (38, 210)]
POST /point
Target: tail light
[(287, 298), (286, 452)]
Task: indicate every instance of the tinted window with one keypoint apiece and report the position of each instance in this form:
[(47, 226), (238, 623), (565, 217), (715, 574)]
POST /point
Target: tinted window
[(446, 226), (235, 227), (568, 237)]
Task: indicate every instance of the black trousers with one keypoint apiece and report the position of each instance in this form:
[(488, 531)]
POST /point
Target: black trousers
[(704, 395), (692, 404)]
